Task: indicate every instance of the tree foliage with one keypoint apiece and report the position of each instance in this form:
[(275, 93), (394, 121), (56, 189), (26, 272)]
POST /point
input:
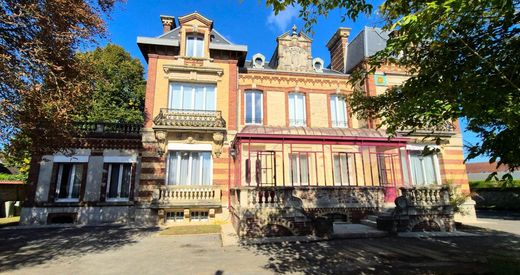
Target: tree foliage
[(463, 59), (119, 86), (42, 78)]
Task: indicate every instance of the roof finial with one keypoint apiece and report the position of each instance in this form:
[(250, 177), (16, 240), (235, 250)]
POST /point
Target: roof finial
[(294, 30)]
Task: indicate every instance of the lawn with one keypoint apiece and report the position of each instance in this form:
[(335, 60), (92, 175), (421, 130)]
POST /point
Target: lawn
[(9, 221), (191, 229)]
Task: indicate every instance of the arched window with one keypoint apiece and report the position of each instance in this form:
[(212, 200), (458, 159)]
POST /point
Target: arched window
[(297, 112), (338, 111), (253, 107)]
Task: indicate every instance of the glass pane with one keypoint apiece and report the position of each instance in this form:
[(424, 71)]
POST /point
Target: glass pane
[(416, 168), (114, 180), (126, 180), (78, 176), (187, 98), (65, 179), (175, 96), (206, 168), (294, 169), (195, 168), (429, 169), (184, 168), (258, 107), (299, 110), (304, 168), (199, 97), (342, 113), (199, 46), (291, 109), (190, 46), (333, 111), (172, 168), (210, 98), (337, 171), (249, 107)]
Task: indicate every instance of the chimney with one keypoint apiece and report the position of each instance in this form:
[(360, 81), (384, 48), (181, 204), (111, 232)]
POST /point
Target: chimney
[(337, 46), (168, 23)]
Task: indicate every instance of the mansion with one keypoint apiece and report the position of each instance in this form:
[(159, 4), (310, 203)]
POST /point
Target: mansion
[(269, 144)]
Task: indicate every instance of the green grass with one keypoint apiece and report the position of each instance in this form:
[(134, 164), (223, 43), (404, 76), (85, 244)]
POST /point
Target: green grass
[(21, 177), (191, 229), (491, 184), (504, 265), (9, 221)]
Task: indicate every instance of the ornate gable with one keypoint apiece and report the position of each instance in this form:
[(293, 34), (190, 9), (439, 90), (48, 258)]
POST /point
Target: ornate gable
[(293, 52)]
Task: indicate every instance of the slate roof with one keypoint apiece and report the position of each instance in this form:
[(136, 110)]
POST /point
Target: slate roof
[(368, 42)]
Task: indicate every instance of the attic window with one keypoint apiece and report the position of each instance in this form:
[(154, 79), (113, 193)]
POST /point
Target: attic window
[(317, 64), (258, 61), (195, 45)]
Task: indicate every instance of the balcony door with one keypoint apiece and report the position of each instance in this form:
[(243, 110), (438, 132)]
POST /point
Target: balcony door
[(192, 97)]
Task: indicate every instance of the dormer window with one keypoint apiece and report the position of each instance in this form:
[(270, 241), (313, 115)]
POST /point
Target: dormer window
[(195, 45)]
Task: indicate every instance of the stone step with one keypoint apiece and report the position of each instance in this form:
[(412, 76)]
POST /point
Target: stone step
[(372, 218), (370, 223)]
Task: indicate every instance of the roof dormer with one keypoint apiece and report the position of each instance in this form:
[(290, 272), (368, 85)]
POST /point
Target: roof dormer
[(195, 35)]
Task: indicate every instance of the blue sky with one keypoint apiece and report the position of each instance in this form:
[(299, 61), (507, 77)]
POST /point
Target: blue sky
[(247, 22)]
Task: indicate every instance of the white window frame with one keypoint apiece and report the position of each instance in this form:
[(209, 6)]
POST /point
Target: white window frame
[(253, 106), (70, 183), (297, 94), (192, 86), (298, 181), (196, 44), (119, 182), (181, 147), (334, 116), (436, 166)]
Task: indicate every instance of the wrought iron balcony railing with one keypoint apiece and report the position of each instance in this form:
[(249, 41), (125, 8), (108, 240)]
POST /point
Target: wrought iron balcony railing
[(181, 118), (106, 128)]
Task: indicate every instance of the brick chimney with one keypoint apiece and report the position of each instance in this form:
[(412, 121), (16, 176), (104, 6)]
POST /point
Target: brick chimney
[(168, 23), (337, 46)]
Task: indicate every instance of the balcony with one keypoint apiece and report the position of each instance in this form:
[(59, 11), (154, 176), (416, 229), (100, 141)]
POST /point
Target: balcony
[(171, 196), (105, 129), (443, 129), (190, 119)]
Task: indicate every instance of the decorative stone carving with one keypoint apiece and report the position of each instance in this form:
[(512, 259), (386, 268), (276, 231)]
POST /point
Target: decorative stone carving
[(160, 136), (218, 142), (190, 119), (293, 52)]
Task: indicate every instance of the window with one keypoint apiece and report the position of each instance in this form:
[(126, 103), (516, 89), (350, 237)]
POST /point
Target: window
[(119, 180), (195, 45), (338, 111), (344, 169), (189, 168), (253, 107), (176, 216), (68, 181), (423, 168), (299, 168), (297, 109), (199, 216), (186, 96)]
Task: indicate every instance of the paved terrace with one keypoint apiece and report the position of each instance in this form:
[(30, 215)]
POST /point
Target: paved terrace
[(115, 250)]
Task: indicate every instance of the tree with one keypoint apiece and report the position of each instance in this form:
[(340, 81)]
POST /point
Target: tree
[(463, 59), (119, 86), (42, 77)]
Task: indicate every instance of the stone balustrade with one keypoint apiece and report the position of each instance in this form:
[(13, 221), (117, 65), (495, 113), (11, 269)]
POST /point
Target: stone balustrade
[(171, 196), (426, 196), (178, 118)]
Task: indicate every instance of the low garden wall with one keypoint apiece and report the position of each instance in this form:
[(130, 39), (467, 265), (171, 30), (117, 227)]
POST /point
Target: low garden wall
[(497, 198)]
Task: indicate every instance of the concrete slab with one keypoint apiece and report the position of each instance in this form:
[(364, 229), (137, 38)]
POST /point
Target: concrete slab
[(436, 234), (350, 231), (228, 235), (498, 224)]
